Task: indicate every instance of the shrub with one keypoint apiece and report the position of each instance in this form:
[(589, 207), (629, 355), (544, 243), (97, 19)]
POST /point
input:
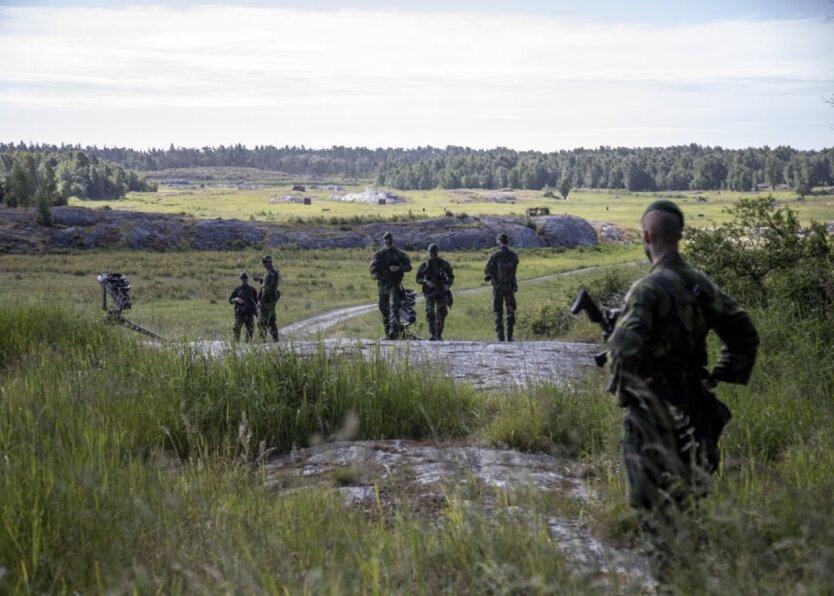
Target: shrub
[(764, 254)]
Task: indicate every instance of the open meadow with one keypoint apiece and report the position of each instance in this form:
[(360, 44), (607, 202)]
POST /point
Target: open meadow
[(612, 206)]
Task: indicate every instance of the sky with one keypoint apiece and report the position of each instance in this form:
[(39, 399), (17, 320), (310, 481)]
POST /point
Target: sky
[(528, 74)]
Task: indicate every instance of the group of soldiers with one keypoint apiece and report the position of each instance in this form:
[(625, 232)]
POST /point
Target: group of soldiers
[(436, 276), (658, 365), (250, 303)]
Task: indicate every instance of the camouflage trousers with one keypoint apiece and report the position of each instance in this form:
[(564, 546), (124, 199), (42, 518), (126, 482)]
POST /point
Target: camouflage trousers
[(663, 480), (436, 311), (267, 322), (503, 297), (244, 320), (389, 307)]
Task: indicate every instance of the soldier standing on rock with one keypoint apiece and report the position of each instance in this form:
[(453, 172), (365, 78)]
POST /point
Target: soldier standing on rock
[(659, 374), (387, 267), (268, 299), (436, 277), (500, 270), (245, 299)]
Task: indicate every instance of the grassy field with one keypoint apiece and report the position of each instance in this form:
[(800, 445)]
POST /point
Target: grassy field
[(185, 295), (618, 207), (126, 468), (134, 469)]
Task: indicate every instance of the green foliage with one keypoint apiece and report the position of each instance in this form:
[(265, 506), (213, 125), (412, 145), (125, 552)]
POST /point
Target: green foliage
[(45, 179), (424, 168), (564, 187), (764, 254)]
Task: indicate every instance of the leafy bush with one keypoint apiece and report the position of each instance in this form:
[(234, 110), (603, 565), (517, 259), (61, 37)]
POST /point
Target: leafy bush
[(764, 254)]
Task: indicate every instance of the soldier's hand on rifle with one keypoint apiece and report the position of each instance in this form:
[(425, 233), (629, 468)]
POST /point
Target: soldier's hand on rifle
[(393, 268), (429, 283), (239, 300)]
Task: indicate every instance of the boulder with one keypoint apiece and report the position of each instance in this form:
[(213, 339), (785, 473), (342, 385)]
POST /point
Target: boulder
[(568, 231)]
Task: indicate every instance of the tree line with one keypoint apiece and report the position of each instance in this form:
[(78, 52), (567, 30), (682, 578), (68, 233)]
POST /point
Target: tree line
[(32, 176), (683, 167)]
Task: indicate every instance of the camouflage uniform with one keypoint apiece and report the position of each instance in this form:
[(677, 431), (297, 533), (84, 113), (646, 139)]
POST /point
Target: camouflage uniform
[(440, 273), (244, 313), (268, 300), (672, 423), (388, 286), (500, 270)]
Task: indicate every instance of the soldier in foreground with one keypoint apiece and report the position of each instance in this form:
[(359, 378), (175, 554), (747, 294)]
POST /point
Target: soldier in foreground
[(436, 276), (268, 297), (659, 374), (387, 267), (500, 270), (245, 299)]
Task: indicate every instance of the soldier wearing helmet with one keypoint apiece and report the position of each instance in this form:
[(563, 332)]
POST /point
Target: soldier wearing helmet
[(436, 276), (387, 267), (501, 270), (245, 299), (268, 297)]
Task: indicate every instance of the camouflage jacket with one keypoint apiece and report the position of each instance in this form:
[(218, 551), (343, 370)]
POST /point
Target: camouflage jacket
[(250, 299), (660, 338), (383, 259), (269, 287), (436, 270), (501, 268)]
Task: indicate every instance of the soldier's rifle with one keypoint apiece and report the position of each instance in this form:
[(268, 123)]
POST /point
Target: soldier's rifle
[(117, 287), (606, 319)]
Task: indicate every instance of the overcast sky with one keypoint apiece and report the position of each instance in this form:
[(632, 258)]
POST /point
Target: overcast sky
[(526, 74)]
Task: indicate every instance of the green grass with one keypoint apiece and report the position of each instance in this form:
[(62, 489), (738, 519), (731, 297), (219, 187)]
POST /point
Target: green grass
[(131, 468), (185, 295), (614, 206)]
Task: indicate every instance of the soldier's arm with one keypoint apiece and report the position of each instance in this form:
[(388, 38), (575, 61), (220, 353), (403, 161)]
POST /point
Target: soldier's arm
[(405, 263), (450, 273), (629, 336), (421, 272), (233, 296), (739, 341), (489, 269), (374, 265)]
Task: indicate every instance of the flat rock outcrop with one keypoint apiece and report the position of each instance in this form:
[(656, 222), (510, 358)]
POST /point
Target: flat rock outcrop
[(83, 228)]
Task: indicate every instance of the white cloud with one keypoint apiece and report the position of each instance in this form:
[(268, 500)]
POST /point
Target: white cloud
[(390, 78)]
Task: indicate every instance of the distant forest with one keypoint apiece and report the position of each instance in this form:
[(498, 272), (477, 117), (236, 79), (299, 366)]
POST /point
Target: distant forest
[(685, 167), (43, 177)]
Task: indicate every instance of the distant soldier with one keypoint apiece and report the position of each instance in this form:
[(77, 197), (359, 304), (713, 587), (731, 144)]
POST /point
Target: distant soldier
[(500, 270), (436, 277), (245, 299), (387, 267), (659, 374), (268, 298)]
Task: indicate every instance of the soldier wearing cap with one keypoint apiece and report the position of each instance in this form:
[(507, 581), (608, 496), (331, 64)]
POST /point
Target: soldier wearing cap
[(500, 270), (387, 267), (245, 299), (268, 297), (660, 375), (436, 276)]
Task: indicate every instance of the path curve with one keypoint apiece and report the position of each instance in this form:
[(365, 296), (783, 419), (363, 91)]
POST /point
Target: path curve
[(331, 318)]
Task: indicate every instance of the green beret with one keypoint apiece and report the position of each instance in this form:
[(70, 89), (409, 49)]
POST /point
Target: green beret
[(243, 275), (266, 258), (664, 205), (433, 247), (387, 235), (503, 238)]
